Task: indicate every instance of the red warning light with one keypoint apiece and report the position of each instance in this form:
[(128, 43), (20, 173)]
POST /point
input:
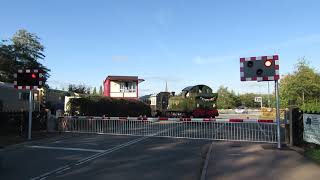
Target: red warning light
[(268, 63), (33, 76)]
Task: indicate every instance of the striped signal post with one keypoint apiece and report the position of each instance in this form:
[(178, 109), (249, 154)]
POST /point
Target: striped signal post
[(263, 68), (29, 79)]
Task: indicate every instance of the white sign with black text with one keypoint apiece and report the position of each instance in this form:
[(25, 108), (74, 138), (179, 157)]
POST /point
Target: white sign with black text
[(311, 131)]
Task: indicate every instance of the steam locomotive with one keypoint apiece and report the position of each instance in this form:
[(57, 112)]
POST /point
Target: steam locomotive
[(194, 101)]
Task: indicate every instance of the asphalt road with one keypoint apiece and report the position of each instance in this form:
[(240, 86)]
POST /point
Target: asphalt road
[(107, 157)]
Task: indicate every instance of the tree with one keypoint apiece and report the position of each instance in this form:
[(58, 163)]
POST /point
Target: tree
[(227, 99), (301, 86), (247, 100), (100, 91), (81, 89), (22, 51), (94, 92)]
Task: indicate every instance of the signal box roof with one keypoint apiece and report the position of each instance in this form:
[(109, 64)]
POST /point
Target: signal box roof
[(124, 78)]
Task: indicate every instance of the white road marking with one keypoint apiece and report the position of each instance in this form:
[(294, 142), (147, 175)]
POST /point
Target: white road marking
[(44, 176), (90, 158), (67, 149), (61, 171), (108, 151)]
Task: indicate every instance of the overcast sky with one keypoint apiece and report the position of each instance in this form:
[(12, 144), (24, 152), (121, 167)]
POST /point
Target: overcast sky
[(184, 42)]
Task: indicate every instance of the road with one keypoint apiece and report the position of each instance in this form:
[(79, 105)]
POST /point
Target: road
[(107, 157)]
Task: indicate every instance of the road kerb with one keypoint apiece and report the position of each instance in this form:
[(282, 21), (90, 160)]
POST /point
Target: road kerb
[(206, 163)]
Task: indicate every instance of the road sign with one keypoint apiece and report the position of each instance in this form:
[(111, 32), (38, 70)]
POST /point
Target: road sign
[(28, 79), (258, 99), (261, 68)]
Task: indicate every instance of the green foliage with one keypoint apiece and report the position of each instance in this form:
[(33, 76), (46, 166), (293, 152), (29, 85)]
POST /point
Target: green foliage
[(80, 89), (313, 154), (311, 107), (94, 91), (302, 86), (227, 98), (100, 91), (247, 100), (99, 106), (23, 51)]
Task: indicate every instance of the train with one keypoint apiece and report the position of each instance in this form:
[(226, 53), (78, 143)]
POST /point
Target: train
[(194, 101)]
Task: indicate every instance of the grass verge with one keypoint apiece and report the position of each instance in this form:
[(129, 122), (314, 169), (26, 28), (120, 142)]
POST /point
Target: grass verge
[(313, 154)]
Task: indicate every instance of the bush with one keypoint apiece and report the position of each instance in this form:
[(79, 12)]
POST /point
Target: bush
[(99, 106), (311, 107)]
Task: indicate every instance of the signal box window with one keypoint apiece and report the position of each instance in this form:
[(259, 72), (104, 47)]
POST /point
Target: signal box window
[(128, 87)]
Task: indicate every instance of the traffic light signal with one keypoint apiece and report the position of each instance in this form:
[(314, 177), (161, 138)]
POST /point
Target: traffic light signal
[(28, 79), (262, 68)]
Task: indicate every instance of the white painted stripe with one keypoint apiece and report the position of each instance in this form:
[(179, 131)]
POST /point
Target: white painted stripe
[(259, 78), (111, 150), (269, 57), (242, 74), (276, 62), (241, 64), (19, 87), (15, 83), (222, 120), (247, 59), (35, 87), (27, 70), (48, 173), (40, 75), (248, 79), (27, 87), (67, 149), (20, 71), (259, 58), (271, 78), (35, 70), (277, 72)]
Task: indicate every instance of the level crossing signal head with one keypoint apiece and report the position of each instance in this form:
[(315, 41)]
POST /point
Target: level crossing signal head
[(28, 79), (261, 68)]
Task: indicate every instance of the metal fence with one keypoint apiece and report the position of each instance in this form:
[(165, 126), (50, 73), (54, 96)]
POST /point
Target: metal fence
[(176, 128)]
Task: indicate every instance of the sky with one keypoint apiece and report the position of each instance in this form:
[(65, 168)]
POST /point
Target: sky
[(183, 42)]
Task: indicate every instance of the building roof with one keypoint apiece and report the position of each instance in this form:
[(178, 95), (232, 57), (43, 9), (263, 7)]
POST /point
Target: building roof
[(124, 78)]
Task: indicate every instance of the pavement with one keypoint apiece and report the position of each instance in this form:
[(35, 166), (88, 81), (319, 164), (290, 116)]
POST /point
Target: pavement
[(242, 161)]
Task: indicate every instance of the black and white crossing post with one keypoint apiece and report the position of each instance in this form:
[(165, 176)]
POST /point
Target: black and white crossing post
[(263, 68)]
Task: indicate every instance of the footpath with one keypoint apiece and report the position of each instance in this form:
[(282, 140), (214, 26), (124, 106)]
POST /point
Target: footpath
[(243, 161)]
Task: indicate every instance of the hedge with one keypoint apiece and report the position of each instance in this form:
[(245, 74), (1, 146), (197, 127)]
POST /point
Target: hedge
[(112, 107), (311, 107)]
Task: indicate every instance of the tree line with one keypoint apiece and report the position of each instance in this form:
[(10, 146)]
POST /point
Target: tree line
[(228, 99)]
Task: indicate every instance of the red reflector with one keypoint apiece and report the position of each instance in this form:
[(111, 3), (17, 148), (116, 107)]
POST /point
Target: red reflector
[(265, 121), (235, 120), (33, 76)]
